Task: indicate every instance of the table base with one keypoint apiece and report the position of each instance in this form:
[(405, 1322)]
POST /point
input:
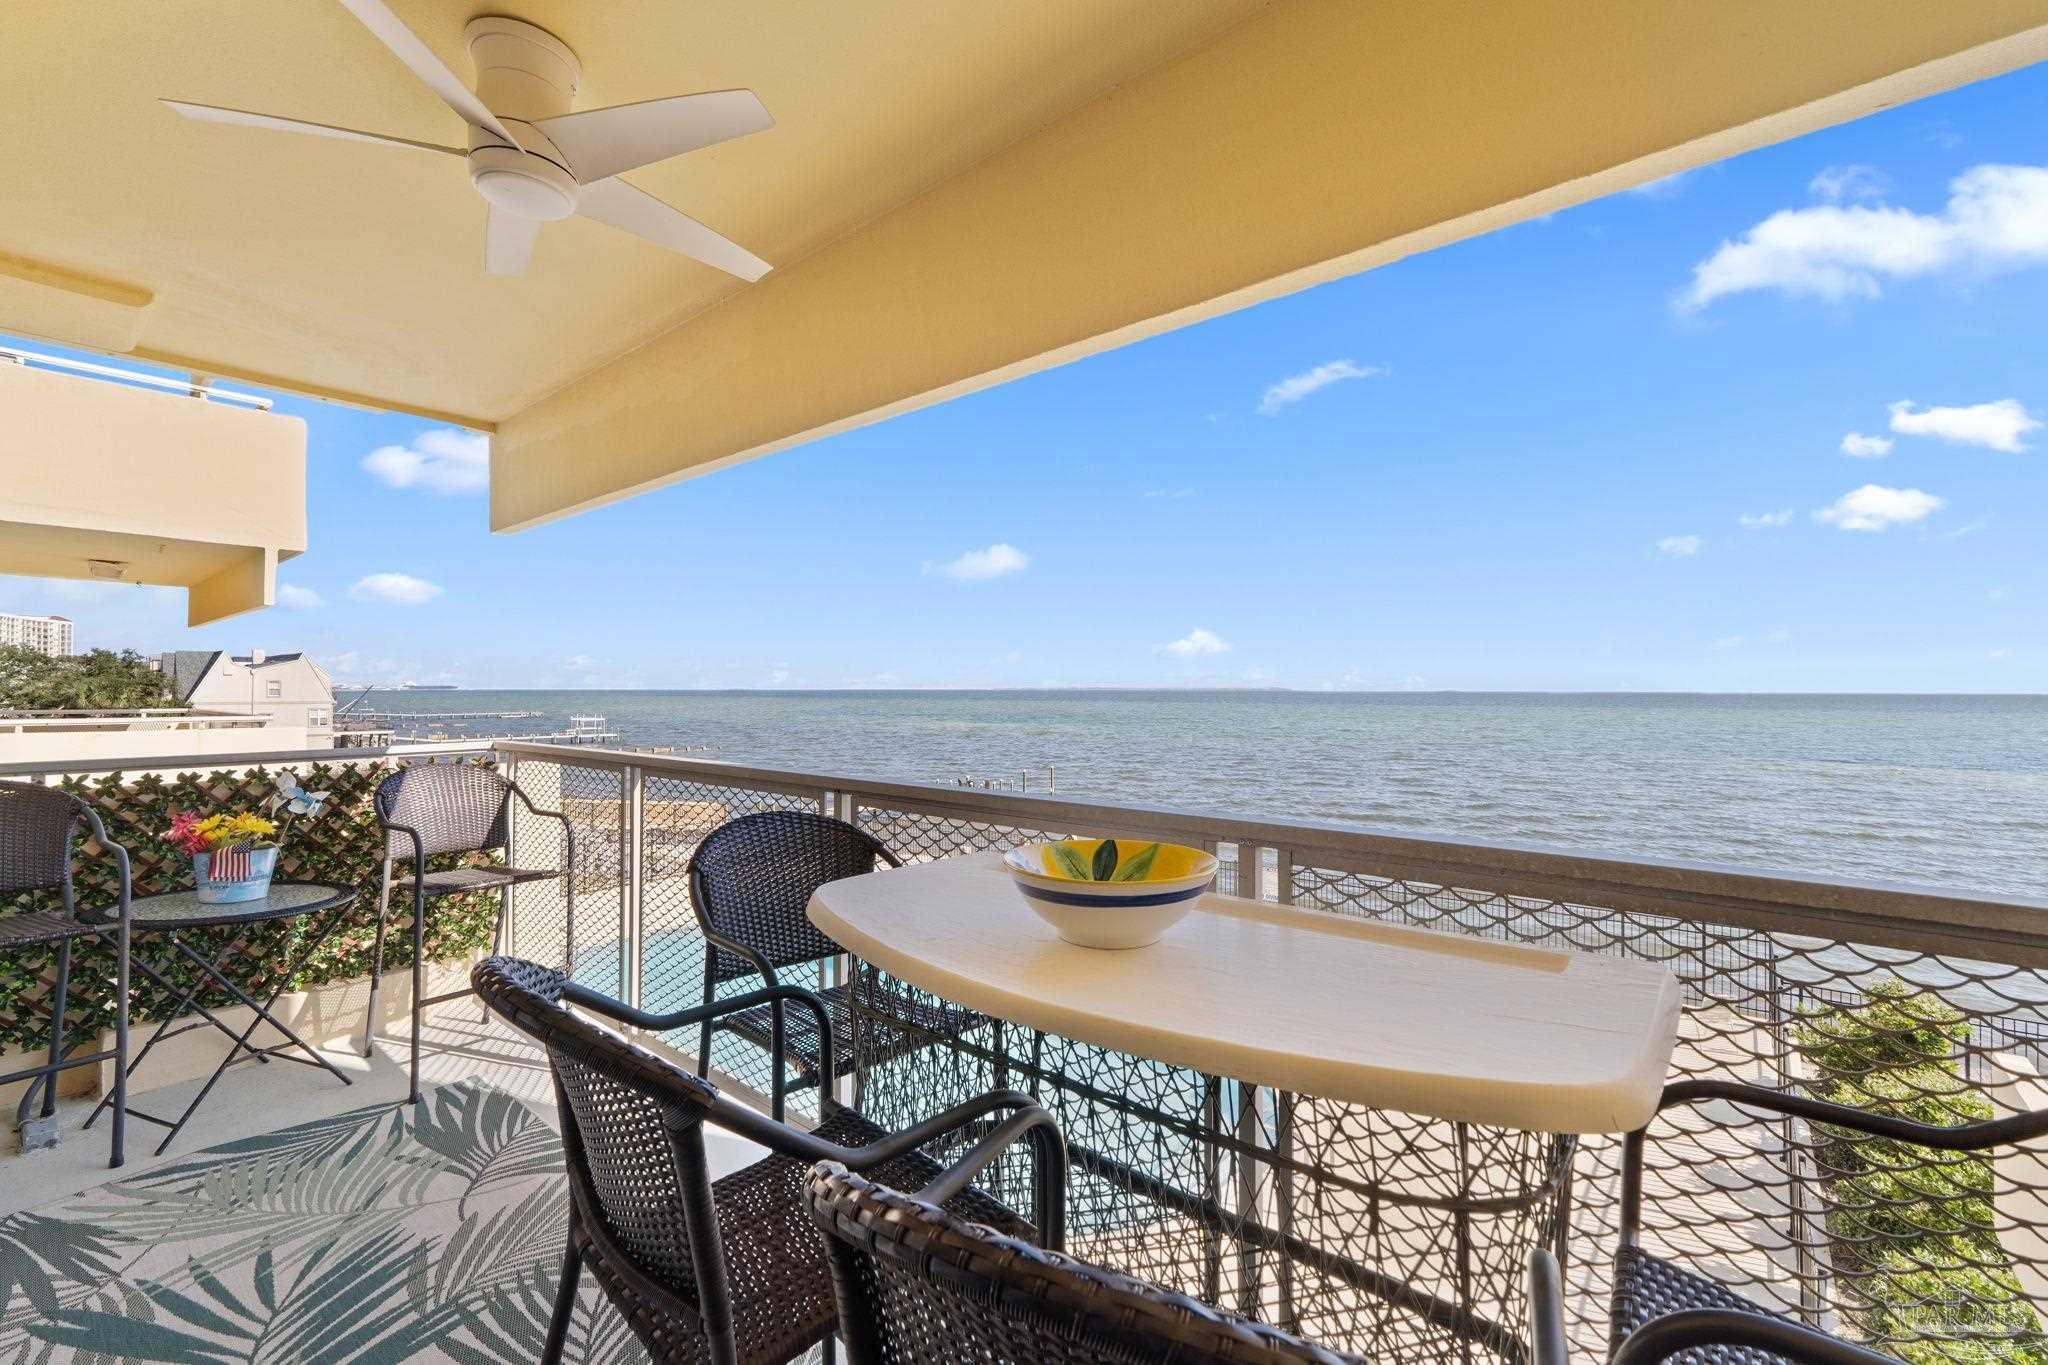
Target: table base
[(241, 1050), (1377, 1232)]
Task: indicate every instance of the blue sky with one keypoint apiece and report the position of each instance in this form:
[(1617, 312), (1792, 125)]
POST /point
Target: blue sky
[(1522, 461)]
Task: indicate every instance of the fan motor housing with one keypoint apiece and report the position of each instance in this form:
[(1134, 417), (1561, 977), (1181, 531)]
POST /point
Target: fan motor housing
[(523, 74), (521, 183)]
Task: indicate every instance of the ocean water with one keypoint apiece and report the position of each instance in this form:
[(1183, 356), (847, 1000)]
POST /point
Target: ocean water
[(1950, 791)]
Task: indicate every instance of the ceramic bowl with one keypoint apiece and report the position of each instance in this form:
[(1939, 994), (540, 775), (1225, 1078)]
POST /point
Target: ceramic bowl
[(1110, 893)]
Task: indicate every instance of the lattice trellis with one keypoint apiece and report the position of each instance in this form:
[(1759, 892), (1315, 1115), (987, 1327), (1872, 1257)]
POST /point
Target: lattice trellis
[(341, 845)]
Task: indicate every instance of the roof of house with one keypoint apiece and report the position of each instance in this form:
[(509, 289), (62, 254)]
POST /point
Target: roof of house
[(250, 659), (186, 668)]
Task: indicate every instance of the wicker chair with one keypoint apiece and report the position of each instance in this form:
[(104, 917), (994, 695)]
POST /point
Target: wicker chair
[(440, 808), (918, 1286), (37, 828), (750, 881), (729, 1270), (1660, 1310)]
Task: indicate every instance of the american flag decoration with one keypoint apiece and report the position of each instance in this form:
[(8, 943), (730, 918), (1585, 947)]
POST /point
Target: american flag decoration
[(228, 864)]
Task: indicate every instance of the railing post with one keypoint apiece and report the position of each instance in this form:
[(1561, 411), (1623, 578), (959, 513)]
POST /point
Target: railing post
[(633, 846)]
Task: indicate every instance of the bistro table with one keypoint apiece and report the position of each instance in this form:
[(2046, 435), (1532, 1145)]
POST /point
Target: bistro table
[(174, 914), (1348, 1128)]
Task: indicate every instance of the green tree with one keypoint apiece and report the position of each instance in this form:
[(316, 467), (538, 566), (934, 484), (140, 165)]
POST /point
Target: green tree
[(97, 681), (1911, 1230)]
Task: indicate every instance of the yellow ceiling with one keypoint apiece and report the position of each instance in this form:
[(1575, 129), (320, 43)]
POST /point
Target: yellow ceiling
[(357, 271)]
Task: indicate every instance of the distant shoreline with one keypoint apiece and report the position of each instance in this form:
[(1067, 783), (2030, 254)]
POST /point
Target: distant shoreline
[(1292, 692)]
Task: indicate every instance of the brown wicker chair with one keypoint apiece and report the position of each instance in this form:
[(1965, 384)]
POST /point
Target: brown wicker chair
[(38, 826), (1661, 1310), (919, 1286), (729, 1270), (444, 808), (750, 881)]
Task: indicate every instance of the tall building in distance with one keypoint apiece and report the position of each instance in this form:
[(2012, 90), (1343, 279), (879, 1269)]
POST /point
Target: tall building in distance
[(50, 634)]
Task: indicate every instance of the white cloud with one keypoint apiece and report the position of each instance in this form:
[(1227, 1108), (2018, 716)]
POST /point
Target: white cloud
[(1780, 636), (1730, 642), (1995, 426), (1679, 547), (1997, 656), (1836, 183), (1296, 387), (444, 460), (1861, 447), (1873, 507), (1195, 644), (1996, 219), (401, 589), (295, 598), (1756, 521), (977, 566), (1996, 594)]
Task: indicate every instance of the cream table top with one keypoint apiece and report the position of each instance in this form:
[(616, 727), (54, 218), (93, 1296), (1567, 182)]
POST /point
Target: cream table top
[(1420, 1020)]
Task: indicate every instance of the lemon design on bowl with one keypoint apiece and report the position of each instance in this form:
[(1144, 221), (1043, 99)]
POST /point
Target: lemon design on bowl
[(1111, 893)]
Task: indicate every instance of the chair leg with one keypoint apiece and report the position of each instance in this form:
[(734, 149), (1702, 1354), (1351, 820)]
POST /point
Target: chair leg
[(498, 940), (419, 978), (377, 957), (704, 1031), (565, 1303), (57, 1026), (121, 968)]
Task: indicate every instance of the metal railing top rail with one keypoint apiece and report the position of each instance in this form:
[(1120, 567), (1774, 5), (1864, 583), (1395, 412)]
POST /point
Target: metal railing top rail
[(1917, 918), (192, 387), (186, 763)]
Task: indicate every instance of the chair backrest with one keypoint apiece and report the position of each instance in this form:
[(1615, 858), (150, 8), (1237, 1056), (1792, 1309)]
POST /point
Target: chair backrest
[(632, 1130), (751, 878), (918, 1286), (456, 807), (37, 826)]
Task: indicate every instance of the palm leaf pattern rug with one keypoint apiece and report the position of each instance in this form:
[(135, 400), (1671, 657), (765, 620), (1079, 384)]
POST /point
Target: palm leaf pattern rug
[(393, 1233)]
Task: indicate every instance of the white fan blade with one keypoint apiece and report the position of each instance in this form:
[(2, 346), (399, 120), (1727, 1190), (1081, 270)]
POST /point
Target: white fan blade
[(508, 241), (421, 61), (208, 113), (602, 142), (617, 204)]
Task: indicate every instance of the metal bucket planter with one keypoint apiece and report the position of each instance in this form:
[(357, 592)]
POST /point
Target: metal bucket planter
[(244, 874)]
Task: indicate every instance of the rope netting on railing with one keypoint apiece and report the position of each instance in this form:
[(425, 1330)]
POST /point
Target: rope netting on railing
[(1931, 1257), (341, 845)]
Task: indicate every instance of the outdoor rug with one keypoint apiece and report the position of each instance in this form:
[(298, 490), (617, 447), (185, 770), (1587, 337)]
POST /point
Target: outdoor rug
[(394, 1233)]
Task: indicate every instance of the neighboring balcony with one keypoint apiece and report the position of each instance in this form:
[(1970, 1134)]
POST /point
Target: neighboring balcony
[(131, 478)]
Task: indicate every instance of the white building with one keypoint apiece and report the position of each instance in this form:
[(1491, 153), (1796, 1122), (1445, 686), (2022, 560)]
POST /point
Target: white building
[(50, 634), (289, 689)]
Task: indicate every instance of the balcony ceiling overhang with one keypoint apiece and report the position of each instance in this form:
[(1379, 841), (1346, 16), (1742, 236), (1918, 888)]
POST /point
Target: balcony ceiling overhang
[(952, 195)]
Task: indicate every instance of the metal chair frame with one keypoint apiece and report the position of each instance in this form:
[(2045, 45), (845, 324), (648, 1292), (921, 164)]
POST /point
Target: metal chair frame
[(1728, 1330), (81, 926), (497, 835), (688, 1103)]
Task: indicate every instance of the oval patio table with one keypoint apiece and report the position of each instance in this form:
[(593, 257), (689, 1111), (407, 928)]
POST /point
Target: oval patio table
[(1351, 1128)]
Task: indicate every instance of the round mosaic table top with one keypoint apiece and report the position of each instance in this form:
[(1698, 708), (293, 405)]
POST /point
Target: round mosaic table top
[(184, 909)]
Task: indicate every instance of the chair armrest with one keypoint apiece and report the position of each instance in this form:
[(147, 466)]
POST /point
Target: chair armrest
[(1663, 1337), (1049, 1187), (119, 853), (696, 1014), (1962, 1137), (1546, 1310)]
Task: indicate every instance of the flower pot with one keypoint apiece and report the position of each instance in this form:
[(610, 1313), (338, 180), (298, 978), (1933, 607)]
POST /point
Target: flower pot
[(260, 864)]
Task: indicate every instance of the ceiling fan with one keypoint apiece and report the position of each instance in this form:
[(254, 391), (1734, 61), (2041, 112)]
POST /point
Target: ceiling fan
[(532, 159)]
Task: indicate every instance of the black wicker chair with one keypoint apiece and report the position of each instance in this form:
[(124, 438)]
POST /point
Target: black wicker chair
[(750, 881), (1661, 1310), (918, 1286), (443, 808), (38, 826), (729, 1270)]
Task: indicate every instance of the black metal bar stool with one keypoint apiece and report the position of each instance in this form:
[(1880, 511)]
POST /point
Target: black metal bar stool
[(750, 881), (441, 808), (38, 826)]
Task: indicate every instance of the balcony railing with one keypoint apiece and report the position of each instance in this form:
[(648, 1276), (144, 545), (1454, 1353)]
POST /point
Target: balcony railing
[(1904, 1000)]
